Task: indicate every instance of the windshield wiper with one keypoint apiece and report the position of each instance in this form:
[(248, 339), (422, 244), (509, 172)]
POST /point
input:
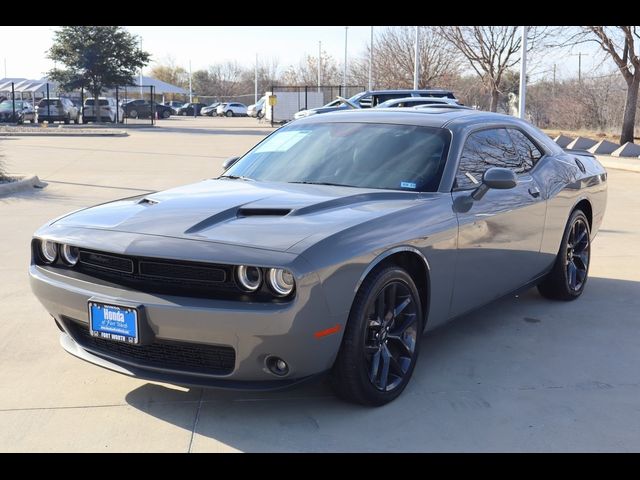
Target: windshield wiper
[(235, 177), (323, 183)]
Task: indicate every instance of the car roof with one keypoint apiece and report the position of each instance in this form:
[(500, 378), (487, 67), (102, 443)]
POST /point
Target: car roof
[(409, 90), (429, 117)]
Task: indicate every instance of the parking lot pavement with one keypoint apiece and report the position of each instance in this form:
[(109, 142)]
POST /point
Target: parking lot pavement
[(523, 374)]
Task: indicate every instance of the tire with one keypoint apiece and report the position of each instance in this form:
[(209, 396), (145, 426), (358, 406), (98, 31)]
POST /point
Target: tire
[(133, 113), (229, 113), (77, 120), (184, 113), (67, 120), (33, 120), (166, 114), (568, 277), (374, 342)]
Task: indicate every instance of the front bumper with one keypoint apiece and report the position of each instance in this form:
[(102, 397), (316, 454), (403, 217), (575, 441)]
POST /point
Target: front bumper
[(254, 330)]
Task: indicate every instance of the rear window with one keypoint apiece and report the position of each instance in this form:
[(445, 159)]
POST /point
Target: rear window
[(89, 101), (53, 103)]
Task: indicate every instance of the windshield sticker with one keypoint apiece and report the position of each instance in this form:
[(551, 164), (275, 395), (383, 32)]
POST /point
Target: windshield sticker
[(282, 141), (408, 185)]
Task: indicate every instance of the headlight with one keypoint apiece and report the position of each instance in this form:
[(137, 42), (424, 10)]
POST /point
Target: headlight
[(281, 281), (70, 255), (249, 278), (49, 250)]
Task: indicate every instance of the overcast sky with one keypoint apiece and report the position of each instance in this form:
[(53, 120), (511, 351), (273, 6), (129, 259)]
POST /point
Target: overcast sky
[(24, 48)]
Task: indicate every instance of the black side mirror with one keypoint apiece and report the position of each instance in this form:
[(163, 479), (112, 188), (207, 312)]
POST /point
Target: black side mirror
[(228, 163), (497, 178)]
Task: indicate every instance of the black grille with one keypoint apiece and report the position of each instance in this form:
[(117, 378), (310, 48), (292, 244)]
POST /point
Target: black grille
[(171, 277), (183, 356)]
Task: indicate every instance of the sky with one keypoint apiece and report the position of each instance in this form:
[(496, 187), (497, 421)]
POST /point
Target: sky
[(23, 49)]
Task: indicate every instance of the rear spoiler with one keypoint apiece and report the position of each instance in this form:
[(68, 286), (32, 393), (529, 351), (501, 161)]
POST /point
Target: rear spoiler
[(579, 152)]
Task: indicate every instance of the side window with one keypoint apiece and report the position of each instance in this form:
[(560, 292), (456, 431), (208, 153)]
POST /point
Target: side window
[(378, 99), (528, 153), (483, 150)]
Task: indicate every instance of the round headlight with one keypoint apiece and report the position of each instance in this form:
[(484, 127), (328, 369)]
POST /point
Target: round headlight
[(49, 250), (281, 281), (249, 278), (70, 255)]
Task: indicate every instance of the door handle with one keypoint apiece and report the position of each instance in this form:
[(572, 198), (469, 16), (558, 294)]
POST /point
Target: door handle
[(534, 192)]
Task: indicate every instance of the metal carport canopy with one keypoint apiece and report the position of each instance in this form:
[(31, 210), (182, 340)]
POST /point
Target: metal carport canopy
[(159, 86)]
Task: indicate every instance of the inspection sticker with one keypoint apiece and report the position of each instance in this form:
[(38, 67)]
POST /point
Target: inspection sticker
[(408, 185)]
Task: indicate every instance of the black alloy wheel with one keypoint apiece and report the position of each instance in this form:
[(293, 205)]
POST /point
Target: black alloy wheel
[(567, 279), (381, 341)]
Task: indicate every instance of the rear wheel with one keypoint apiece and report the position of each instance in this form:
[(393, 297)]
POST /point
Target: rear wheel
[(166, 114), (568, 277), (229, 113), (133, 113), (381, 340)]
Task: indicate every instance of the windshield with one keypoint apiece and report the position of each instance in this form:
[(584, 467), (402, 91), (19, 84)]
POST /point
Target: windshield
[(365, 155), (89, 101), (7, 105)]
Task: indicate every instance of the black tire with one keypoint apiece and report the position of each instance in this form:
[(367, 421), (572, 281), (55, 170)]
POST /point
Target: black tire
[(166, 114), (229, 113), (33, 120), (567, 279), (133, 113), (77, 119), (67, 120), (362, 352)]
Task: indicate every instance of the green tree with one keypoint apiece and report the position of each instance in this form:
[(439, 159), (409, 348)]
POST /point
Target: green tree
[(95, 58)]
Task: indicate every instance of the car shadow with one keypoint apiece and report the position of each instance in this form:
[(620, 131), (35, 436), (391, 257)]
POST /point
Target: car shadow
[(482, 382)]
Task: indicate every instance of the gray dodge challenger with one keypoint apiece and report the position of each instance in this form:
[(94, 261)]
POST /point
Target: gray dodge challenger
[(331, 246)]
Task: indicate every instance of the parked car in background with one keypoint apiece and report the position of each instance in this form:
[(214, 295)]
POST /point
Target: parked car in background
[(24, 111), (110, 111), (415, 101), (210, 110), (257, 109), (175, 105), (142, 109), (232, 109), (369, 99), (58, 110), (188, 108)]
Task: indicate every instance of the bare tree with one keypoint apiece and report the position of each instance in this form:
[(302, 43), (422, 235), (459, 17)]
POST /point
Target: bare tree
[(492, 50), (393, 59), (167, 71), (306, 72), (620, 44)]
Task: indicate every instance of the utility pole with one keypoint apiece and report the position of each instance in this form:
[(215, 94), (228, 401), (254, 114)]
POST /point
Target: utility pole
[(523, 74), (140, 74), (344, 75), (255, 94), (319, 63), (190, 84), (554, 81), (370, 87), (416, 61), (579, 55)]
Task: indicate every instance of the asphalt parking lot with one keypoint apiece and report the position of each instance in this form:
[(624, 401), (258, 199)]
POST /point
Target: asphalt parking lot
[(523, 374)]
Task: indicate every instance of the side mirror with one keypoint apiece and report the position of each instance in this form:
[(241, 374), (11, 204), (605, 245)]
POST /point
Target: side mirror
[(497, 178), (228, 163)]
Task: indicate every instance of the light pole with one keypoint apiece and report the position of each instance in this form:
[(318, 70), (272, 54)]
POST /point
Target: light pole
[(141, 71), (371, 60), (255, 93), (319, 64), (190, 84), (344, 75), (416, 61), (523, 74)]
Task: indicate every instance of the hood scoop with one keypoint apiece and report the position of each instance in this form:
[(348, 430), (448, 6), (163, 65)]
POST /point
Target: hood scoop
[(147, 201), (263, 212)]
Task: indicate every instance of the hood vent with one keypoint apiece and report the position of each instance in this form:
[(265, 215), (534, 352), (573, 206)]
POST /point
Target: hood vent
[(147, 201), (263, 212)]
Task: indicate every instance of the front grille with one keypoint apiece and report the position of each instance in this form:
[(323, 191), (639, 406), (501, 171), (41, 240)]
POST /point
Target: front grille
[(152, 275), (183, 356)]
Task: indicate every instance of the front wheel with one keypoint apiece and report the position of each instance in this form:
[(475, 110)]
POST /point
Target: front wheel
[(381, 340), (166, 114), (67, 120), (133, 113), (568, 277), (229, 113)]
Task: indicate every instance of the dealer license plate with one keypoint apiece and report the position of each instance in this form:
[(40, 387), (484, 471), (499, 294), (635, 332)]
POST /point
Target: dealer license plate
[(113, 322)]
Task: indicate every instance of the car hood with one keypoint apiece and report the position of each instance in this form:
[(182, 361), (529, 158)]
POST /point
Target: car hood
[(266, 215)]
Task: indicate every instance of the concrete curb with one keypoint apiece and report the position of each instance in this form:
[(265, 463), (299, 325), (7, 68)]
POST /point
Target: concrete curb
[(25, 183), (628, 164), (119, 133)]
